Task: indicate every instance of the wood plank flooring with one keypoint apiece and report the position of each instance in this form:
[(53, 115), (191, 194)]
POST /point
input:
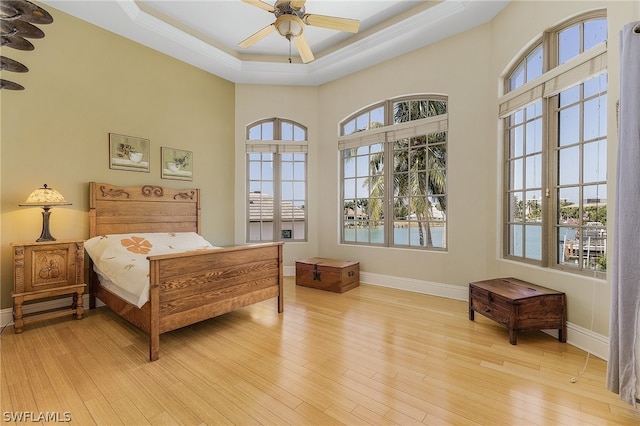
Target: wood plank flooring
[(369, 356)]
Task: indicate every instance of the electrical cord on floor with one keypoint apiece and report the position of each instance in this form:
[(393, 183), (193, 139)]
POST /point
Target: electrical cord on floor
[(5, 326), (575, 378)]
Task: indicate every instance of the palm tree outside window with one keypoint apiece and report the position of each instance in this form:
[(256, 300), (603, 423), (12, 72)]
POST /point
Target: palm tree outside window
[(394, 174)]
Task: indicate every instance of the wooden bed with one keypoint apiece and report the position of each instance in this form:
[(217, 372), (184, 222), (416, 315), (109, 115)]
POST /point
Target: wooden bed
[(185, 288)]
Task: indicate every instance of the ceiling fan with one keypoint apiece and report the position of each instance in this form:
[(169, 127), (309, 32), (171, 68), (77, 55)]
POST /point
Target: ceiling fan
[(291, 19)]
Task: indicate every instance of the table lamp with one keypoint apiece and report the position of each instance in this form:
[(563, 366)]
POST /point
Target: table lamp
[(46, 198)]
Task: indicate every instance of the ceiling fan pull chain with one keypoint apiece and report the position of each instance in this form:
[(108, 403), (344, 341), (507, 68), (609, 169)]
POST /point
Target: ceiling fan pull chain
[(289, 38)]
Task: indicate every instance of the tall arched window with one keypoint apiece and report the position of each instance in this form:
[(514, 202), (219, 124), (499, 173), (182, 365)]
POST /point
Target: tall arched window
[(276, 181), (555, 121), (394, 173)]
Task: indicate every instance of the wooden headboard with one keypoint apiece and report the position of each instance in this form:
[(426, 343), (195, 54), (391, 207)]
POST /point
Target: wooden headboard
[(148, 208)]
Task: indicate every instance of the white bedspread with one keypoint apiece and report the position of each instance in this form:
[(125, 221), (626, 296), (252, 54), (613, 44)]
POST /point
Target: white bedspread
[(120, 260)]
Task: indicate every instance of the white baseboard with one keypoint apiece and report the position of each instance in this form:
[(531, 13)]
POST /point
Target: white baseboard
[(580, 337), (587, 340)]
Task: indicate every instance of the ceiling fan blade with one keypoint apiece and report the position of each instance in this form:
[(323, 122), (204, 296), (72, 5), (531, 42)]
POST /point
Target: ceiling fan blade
[(297, 4), (304, 50), (260, 4), (332, 22), (253, 39)]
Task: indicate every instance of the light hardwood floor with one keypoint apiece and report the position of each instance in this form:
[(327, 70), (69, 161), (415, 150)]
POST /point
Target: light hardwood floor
[(369, 356)]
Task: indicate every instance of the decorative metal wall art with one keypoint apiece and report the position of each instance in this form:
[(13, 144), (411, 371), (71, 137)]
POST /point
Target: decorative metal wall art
[(16, 25)]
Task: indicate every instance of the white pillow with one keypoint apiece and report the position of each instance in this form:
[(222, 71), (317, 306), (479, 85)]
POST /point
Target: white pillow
[(121, 262)]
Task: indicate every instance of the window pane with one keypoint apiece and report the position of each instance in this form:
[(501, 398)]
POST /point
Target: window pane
[(255, 133), (516, 139), (299, 134), (533, 242), (595, 32), (419, 109), (516, 207), (569, 44), (595, 118), (363, 150), (267, 171), (595, 161), (570, 96), (518, 116), (299, 191), (517, 78), (516, 174), (267, 131), (437, 108), (349, 127), (287, 170), (596, 197), (362, 122), (401, 112), (287, 190), (348, 167), (534, 171), (595, 86), (534, 64), (533, 207), (349, 188), (570, 125), (377, 117), (286, 130), (516, 234), (569, 166), (569, 202), (299, 170), (534, 136)]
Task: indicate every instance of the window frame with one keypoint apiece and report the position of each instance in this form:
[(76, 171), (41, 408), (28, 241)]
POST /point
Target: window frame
[(387, 135), (555, 78), (279, 148)]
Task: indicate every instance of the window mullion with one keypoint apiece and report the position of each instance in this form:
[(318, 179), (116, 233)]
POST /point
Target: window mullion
[(388, 194), (277, 196), (549, 163)]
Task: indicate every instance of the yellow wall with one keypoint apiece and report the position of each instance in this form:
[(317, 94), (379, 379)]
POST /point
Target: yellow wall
[(83, 83)]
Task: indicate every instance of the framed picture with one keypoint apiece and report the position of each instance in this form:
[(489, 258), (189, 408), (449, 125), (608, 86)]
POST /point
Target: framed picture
[(128, 153), (177, 164)]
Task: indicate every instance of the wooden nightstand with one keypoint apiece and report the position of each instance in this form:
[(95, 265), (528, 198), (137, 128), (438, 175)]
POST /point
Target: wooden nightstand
[(47, 269)]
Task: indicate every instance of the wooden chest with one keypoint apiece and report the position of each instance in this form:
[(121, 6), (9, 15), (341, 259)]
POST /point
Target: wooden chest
[(328, 274), (519, 305)]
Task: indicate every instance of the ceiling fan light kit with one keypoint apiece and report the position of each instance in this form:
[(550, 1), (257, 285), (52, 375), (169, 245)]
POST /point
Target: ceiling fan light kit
[(291, 19), (289, 26)]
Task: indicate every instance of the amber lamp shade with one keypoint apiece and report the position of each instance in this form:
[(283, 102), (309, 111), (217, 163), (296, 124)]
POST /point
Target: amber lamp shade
[(46, 198)]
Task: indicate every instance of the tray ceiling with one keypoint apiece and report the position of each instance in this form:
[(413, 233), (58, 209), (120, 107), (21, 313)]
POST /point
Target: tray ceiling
[(206, 33)]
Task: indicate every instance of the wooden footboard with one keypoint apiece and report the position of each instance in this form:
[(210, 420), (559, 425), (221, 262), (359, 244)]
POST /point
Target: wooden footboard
[(190, 287)]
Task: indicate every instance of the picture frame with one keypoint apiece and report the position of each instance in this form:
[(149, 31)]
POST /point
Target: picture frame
[(129, 153), (177, 164)]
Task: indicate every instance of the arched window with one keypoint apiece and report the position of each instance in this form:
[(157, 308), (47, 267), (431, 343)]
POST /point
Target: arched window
[(394, 173), (555, 121), (276, 181)]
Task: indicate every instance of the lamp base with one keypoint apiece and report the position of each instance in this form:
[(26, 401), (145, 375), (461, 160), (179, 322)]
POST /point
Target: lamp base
[(46, 234)]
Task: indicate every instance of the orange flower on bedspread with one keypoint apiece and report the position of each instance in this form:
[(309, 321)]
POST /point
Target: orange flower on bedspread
[(137, 245)]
